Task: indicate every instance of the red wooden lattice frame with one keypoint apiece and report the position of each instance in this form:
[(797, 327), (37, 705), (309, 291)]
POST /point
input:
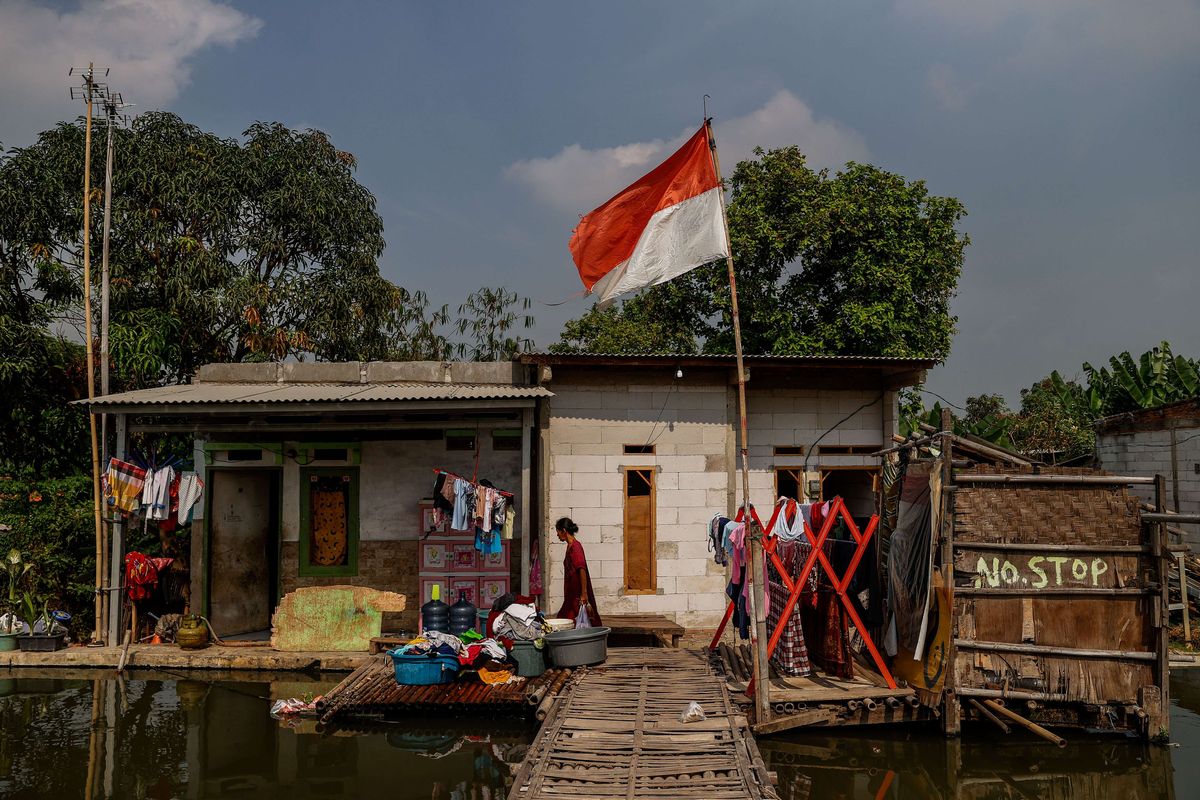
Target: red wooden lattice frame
[(795, 586)]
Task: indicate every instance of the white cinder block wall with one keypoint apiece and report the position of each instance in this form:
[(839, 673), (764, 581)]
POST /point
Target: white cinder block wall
[(588, 427), (693, 425), (1147, 453)]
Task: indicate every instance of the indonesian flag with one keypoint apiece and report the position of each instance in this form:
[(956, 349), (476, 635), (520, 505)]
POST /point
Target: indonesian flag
[(663, 225)]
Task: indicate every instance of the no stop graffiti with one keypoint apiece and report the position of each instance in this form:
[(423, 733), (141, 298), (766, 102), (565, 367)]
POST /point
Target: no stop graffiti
[(1039, 572)]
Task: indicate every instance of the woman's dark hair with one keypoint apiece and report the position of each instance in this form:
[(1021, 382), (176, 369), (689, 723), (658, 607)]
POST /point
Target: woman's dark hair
[(566, 524)]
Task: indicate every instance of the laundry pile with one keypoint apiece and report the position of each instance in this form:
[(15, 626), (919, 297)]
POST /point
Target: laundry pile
[(488, 657)]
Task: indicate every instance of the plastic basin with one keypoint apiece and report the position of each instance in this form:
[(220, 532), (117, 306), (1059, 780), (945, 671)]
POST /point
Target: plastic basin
[(530, 660), (419, 670), (578, 648)]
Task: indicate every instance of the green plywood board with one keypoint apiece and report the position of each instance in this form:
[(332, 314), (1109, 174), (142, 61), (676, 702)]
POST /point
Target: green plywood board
[(331, 617)]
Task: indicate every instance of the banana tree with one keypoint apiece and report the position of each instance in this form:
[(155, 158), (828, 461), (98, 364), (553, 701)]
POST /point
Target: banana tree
[(1156, 377)]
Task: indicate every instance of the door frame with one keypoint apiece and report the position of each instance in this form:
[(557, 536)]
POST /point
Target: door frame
[(276, 473), (653, 470)]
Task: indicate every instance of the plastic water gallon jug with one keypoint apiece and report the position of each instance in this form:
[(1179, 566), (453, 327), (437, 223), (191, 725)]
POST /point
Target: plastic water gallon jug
[(435, 615), (463, 615)]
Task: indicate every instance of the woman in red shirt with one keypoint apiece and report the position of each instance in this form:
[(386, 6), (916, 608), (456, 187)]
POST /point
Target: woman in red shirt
[(577, 582)]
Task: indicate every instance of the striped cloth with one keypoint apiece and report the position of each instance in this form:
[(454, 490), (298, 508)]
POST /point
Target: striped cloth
[(123, 484), (791, 654)]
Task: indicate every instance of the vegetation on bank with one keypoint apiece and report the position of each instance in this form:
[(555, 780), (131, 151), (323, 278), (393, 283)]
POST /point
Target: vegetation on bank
[(1056, 420)]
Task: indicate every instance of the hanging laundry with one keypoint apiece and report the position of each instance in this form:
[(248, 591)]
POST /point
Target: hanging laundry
[(440, 501), (141, 574), (535, 569), (488, 542), (447, 491), (156, 493), (715, 536), (464, 505), (510, 518), (791, 652), (124, 483), (499, 511), (735, 592)]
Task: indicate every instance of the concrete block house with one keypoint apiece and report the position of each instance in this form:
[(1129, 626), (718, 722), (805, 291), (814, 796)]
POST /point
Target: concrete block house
[(641, 451), (1163, 440)]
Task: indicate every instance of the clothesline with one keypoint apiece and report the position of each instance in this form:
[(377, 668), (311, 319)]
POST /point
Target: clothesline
[(449, 474)]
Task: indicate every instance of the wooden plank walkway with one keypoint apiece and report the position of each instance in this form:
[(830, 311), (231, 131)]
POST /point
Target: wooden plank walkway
[(617, 734)]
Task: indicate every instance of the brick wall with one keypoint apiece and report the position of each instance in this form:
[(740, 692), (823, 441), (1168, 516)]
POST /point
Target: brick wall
[(387, 565)]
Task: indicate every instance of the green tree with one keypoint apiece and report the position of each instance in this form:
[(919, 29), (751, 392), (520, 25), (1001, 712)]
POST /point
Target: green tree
[(490, 319), (863, 262), (222, 250), (1054, 423), (653, 321)]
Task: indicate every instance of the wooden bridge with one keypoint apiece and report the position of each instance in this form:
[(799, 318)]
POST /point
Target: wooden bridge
[(617, 733)]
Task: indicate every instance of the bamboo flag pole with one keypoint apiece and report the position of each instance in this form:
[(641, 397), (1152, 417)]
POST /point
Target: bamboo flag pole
[(754, 534), (89, 88)]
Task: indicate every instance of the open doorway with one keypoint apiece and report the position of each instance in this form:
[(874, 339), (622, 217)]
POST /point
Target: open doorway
[(856, 487), (243, 550)]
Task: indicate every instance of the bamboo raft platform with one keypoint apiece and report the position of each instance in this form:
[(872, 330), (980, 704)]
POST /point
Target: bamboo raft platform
[(371, 690), (617, 733), (818, 700)]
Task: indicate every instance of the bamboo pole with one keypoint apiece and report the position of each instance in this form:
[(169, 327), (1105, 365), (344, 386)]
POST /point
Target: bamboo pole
[(1046, 650), (1098, 480), (1028, 725), (102, 624), (97, 633), (762, 702)]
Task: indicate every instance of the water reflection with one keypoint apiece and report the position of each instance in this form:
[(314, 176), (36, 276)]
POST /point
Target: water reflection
[(176, 736), (187, 738), (873, 764)]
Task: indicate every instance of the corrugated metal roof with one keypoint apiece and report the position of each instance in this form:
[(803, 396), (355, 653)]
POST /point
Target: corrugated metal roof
[(224, 393), (633, 358)]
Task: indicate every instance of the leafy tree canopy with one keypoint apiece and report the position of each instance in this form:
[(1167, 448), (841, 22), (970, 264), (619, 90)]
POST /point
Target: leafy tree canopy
[(253, 249), (863, 262)]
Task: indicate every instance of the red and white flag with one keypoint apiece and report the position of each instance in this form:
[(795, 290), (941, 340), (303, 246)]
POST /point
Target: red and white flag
[(664, 224)]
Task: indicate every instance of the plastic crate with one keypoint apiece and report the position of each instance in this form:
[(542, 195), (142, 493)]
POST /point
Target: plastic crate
[(420, 670)]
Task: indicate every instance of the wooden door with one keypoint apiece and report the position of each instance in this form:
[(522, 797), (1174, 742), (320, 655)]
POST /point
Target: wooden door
[(241, 550), (640, 544)]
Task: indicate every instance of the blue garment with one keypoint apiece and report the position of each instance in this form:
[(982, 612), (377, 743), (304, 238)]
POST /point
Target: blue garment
[(730, 527), (741, 617), (488, 542)]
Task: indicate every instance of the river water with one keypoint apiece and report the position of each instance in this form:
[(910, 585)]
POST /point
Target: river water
[(205, 736)]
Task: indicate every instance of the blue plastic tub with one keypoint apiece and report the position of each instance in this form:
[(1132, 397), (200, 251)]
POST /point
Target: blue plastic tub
[(419, 670)]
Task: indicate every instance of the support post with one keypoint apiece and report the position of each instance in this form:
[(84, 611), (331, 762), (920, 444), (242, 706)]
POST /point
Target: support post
[(117, 546), (1183, 595), (1174, 468), (526, 493), (762, 701), (1159, 721), (951, 709)]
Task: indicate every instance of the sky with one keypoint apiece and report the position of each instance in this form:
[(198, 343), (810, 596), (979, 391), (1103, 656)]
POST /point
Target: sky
[(1069, 129)]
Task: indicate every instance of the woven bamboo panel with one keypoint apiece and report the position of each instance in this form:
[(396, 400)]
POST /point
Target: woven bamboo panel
[(1050, 514)]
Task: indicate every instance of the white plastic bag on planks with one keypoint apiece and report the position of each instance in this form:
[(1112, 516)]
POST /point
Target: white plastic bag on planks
[(693, 713)]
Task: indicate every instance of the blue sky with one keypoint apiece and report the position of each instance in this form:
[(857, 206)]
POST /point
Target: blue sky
[(485, 129)]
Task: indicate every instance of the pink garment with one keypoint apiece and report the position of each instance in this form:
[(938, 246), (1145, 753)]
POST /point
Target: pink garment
[(737, 538)]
